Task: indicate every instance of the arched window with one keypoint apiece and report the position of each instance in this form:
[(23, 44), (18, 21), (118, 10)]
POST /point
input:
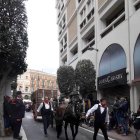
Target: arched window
[(137, 59), (113, 59)]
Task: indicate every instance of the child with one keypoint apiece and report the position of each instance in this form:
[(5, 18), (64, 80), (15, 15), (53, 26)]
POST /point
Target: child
[(136, 124), (91, 121)]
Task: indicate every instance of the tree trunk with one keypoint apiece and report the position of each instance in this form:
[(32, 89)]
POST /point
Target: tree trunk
[(83, 106), (2, 85), (1, 113)]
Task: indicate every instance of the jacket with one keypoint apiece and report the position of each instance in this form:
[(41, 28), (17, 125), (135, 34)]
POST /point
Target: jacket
[(137, 123), (116, 105), (123, 110), (17, 108)]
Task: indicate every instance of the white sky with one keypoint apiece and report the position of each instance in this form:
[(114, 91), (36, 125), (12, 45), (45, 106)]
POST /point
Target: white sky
[(43, 51)]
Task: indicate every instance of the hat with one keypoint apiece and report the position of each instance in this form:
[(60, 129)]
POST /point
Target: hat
[(19, 92), (138, 112), (8, 96)]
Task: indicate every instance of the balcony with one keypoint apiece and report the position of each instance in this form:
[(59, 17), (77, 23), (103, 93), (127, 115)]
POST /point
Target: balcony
[(113, 25), (73, 58), (83, 23), (90, 44), (137, 5), (59, 14), (91, 13), (62, 7), (60, 32)]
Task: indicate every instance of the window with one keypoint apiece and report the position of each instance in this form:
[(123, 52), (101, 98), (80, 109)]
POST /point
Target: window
[(26, 77), (26, 89), (111, 59), (32, 83), (20, 88), (37, 83), (20, 77), (137, 59)]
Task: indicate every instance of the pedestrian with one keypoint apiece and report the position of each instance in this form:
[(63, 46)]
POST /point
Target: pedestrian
[(116, 113), (101, 118), (17, 113), (6, 104), (124, 115), (46, 109), (136, 124)]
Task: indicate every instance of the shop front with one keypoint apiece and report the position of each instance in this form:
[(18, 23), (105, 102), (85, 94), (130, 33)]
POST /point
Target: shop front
[(112, 80)]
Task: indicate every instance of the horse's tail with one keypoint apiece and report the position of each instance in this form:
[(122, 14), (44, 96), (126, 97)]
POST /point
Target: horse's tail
[(59, 124)]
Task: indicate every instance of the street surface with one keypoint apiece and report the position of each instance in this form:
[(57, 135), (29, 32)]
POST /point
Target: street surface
[(34, 131)]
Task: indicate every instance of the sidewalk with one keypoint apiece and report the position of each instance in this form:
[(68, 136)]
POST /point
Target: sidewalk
[(22, 133), (113, 133)]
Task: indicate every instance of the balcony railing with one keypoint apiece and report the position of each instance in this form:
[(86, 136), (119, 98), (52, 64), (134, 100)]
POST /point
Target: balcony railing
[(73, 58), (90, 44), (113, 25)]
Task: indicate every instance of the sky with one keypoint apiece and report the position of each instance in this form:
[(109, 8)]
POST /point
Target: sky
[(43, 51)]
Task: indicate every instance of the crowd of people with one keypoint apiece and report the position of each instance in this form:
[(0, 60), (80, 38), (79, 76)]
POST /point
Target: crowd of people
[(120, 118)]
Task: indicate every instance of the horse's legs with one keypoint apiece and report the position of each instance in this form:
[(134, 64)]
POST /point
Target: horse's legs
[(76, 130), (72, 130), (66, 124)]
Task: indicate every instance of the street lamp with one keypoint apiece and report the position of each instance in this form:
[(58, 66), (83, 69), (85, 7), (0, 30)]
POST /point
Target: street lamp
[(91, 49)]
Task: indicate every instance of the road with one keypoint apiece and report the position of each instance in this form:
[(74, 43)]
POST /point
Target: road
[(34, 131)]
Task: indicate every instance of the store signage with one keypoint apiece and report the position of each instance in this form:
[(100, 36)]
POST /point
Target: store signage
[(113, 79)]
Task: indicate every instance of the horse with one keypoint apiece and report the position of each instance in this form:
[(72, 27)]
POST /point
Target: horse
[(70, 114)]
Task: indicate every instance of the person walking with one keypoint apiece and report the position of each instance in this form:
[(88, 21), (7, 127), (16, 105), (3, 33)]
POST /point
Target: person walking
[(46, 109), (101, 118), (124, 115), (16, 114)]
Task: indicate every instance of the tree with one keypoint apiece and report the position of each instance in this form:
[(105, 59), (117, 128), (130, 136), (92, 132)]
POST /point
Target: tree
[(13, 43), (85, 77), (13, 39), (65, 79)]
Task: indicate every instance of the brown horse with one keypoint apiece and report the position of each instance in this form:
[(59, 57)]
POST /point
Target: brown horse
[(70, 114)]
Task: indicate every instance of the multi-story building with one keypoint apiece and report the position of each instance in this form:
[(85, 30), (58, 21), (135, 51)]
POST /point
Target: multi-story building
[(111, 29), (32, 80)]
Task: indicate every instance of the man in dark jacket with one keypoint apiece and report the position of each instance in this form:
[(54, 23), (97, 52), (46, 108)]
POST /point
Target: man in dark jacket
[(115, 111), (6, 114), (17, 113), (136, 124), (123, 109)]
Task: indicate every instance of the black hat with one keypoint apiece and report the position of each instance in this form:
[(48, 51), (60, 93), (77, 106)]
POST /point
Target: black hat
[(19, 92)]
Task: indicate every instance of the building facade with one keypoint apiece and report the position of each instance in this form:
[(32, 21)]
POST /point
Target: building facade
[(32, 80), (111, 28)]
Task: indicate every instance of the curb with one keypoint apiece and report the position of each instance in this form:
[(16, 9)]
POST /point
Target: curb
[(22, 132)]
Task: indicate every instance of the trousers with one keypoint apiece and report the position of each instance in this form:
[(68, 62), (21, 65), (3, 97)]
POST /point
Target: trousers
[(46, 122), (16, 127), (101, 126)]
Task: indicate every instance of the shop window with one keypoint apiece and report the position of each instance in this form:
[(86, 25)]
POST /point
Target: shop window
[(113, 59), (137, 59)]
